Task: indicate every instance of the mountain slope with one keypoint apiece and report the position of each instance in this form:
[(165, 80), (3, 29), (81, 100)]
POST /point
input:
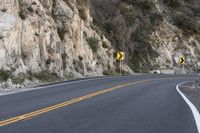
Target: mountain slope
[(153, 33), (30, 31)]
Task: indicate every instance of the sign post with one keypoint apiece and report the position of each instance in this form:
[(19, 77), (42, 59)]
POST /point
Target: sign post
[(182, 62)]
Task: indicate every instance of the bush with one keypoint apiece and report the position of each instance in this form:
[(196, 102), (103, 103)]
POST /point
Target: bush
[(4, 75), (196, 11), (45, 76), (172, 3), (64, 56), (109, 27), (144, 5), (135, 59), (130, 20), (156, 19), (20, 78), (93, 43), (134, 10), (64, 62), (187, 24), (109, 72)]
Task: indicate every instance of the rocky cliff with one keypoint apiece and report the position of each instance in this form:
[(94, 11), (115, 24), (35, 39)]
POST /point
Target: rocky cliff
[(32, 30), (153, 33)]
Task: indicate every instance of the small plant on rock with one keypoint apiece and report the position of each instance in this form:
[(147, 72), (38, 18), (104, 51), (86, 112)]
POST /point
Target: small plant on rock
[(93, 43)]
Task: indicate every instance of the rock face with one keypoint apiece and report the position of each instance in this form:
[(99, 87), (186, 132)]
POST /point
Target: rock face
[(31, 29), (154, 34)]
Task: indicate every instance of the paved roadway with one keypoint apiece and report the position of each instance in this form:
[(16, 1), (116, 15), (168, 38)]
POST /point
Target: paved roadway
[(130, 104)]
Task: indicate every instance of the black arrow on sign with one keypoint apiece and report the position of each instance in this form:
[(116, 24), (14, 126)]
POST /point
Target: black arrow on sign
[(182, 60), (121, 56)]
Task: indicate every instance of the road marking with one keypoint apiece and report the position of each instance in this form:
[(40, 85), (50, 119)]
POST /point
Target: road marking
[(72, 101), (192, 107), (61, 84), (64, 104)]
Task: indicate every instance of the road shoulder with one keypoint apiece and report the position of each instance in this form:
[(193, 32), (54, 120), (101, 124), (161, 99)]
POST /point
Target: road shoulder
[(191, 98)]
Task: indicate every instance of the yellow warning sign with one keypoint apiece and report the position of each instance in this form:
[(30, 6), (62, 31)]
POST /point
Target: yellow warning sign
[(182, 60), (120, 56)]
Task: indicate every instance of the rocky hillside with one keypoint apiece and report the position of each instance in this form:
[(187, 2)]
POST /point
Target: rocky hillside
[(153, 33), (30, 31)]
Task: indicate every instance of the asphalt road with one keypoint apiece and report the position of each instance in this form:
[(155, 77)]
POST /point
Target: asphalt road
[(130, 104)]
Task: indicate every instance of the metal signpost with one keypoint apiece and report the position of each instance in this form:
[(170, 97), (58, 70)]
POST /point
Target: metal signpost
[(182, 61)]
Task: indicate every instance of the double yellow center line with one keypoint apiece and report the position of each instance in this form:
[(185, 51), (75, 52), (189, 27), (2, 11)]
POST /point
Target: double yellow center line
[(64, 104)]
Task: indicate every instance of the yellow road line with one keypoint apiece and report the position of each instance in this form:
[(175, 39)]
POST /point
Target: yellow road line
[(69, 102), (66, 103)]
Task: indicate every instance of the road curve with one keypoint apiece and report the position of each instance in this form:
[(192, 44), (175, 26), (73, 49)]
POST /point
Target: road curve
[(126, 104)]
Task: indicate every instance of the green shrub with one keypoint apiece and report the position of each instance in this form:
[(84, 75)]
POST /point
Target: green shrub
[(109, 27), (135, 59), (4, 75), (45, 76), (64, 62), (64, 56), (93, 43), (144, 5), (109, 72), (187, 24), (20, 78), (196, 12), (130, 20), (136, 10), (172, 3), (156, 19)]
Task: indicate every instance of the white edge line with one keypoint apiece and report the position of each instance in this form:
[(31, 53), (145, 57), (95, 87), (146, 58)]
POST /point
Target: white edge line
[(56, 85), (192, 107)]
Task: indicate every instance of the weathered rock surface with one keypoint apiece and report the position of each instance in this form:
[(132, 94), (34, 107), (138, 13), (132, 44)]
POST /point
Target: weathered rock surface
[(153, 33), (30, 30)]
